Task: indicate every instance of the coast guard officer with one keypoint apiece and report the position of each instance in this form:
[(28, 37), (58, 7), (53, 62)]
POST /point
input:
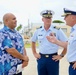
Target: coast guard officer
[(47, 58), (70, 18)]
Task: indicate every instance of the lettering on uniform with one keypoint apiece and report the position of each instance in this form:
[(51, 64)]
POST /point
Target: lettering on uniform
[(40, 35)]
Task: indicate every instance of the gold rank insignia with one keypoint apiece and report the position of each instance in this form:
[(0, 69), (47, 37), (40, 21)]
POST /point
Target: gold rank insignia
[(56, 27)]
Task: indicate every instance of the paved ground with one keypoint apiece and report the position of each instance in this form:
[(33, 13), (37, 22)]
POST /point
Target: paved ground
[(31, 68)]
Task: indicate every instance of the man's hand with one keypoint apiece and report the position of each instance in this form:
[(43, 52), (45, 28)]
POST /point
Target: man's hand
[(56, 57), (52, 38), (74, 66), (37, 55), (25, 61), (26, 58), (24, 64)]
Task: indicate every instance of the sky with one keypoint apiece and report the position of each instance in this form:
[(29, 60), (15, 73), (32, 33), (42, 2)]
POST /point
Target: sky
[(25, 10)]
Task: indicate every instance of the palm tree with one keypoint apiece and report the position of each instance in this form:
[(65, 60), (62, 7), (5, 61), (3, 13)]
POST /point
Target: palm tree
[(58, 21), (19, 27)]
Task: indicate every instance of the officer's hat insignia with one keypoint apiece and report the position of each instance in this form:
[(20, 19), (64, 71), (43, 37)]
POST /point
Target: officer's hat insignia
[(47, 13)]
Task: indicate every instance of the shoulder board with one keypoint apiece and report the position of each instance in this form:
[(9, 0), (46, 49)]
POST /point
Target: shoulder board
[(39, 27), (56, 27)]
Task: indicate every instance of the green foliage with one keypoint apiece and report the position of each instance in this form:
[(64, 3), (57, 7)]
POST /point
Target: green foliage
[(0, 22), (19, 27), (57, 21), (29, 45)]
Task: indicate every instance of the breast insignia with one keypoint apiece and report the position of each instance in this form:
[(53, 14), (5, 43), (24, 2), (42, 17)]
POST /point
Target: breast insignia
[(56, 27)]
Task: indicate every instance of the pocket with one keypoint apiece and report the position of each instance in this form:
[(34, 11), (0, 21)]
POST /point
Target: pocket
[(40, 39), (38, 59)]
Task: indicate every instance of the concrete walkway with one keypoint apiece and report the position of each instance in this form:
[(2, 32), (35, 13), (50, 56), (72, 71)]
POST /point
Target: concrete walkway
[(31, 68)]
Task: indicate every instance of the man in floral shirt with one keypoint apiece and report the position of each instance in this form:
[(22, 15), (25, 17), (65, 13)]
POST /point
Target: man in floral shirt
[(12, 51)]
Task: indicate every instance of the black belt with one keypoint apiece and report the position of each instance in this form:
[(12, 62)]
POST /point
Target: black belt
[(72, 62), (47, 55)]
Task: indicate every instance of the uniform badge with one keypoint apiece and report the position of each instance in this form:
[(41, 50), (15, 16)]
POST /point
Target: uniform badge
[(53, 33)]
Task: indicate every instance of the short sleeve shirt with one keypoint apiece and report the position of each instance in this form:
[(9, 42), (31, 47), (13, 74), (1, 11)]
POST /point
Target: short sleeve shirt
[(9, 39), (71, 53), (46, 47)]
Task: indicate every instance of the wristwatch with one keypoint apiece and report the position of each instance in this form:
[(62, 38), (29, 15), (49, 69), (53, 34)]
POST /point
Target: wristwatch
[(62, 55)]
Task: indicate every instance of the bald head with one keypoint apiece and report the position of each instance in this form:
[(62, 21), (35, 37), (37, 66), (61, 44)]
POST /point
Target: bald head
[(9, 20), (6, 17)]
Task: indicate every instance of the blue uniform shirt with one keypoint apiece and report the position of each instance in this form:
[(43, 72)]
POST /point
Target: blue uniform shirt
[(46, 47), (9, 39), (71, 53)]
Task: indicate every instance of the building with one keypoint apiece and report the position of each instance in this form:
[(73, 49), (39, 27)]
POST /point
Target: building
[(65, 28), (28, 32)]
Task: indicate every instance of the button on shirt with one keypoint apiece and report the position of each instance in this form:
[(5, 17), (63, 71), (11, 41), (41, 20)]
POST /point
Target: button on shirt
[(46, 47), (71, 53), (9, 39)]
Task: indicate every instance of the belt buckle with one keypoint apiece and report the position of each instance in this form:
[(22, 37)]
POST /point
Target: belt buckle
[(46, 56)]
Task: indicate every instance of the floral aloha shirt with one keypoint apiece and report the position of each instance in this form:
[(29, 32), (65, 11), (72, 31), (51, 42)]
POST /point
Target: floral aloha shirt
[(9, 39)]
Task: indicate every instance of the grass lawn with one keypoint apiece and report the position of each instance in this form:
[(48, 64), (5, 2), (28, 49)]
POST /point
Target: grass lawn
[(29, 45)]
